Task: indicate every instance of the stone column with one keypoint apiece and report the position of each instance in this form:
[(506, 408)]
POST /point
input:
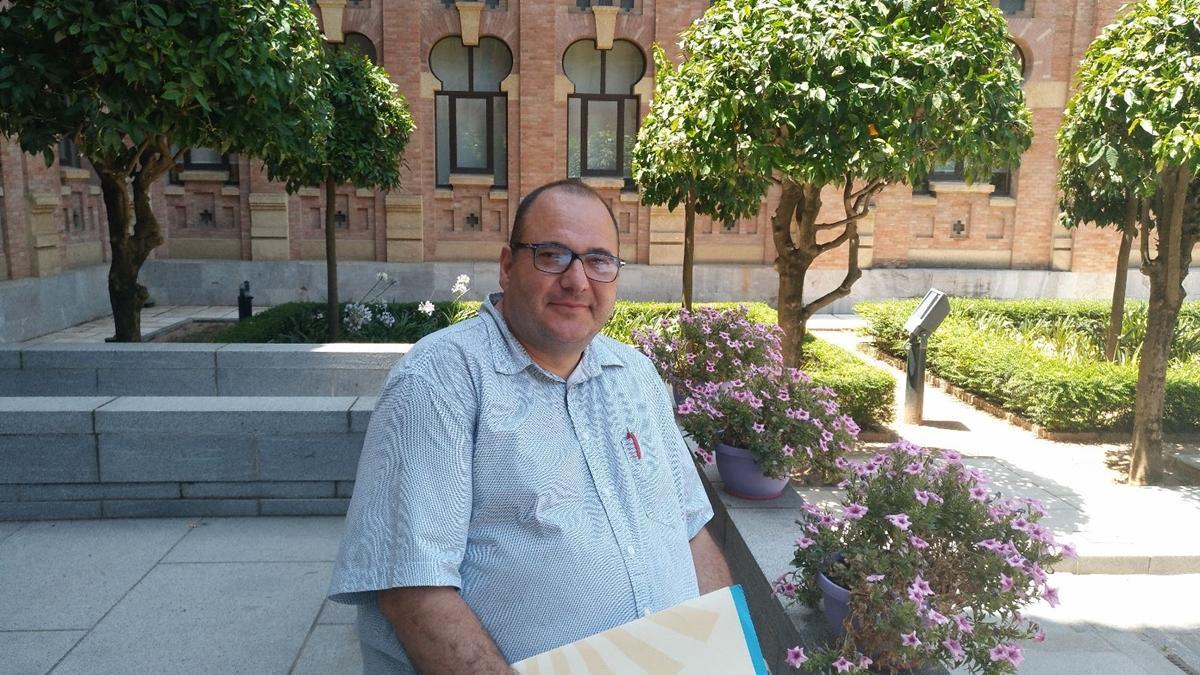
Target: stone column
[(269, 226), (44, 233), (405, 231)]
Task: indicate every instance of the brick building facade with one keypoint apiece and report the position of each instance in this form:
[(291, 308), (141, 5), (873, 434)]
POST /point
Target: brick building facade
[(508, 95)]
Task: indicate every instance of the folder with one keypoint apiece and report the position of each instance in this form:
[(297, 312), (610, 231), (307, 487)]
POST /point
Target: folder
[(709, 634)]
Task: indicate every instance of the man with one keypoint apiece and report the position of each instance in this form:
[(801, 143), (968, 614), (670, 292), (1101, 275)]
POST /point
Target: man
[(523, 484)]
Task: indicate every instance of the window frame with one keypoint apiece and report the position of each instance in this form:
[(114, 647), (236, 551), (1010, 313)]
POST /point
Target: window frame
[(621, 100), (1001, 180), (452, 97)]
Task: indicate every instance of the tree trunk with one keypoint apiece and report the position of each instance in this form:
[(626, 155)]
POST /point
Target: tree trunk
[(133, 232), (331, 260), (791, 308), (1167, 272), (689, 247), (1117, 312)]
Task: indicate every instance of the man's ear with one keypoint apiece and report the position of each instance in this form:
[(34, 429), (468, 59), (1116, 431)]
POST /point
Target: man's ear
[(506, 263)]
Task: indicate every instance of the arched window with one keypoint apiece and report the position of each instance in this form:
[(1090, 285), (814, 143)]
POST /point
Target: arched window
[(602, 114), (362, 44), (471, 111)]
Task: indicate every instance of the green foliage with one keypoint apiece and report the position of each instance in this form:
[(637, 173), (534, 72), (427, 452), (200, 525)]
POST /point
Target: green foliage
[(371, 126), (122, 76), (305, 322), (864, 392), (1041, 359), (818, 89), (1135, 110)]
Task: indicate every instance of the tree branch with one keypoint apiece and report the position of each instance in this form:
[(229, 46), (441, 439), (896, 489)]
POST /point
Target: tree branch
[(853, 274), (781, 222)]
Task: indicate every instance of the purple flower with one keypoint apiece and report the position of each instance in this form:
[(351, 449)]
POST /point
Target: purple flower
[(788, 450), (864, 661), (954, 648), (952, 457), (964, 624), (979, 493), (872, 578), (804, 542), (937, 617), (1068, 551), (842, 665), (758, 427), (855, 511), (910, 639), (989, 544), (1051, 596), (1006, 582), (1020, 524), (913, 468), (1007, 652), (900, 520), (919, 590), (796, 656), (921, 496), (917, 542)]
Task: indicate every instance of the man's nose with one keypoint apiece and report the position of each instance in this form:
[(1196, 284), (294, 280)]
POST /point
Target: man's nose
[(574, 276)]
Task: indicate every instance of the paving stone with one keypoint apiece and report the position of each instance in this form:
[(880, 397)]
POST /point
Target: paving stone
[(309, 457), (226, 414), (49, 414), (10, 357), (178, 508), (62, 458), (1174, 564), (261, 540), (769, 534), (7, 530), (122, 355), (66, 575), (157, 381), (73, 491), (176, 457), (213, 618), (330, 649), (49, 382), (337, 613), (35, 651), (304, 507), (360, 413), (50, 510), (282, 490)]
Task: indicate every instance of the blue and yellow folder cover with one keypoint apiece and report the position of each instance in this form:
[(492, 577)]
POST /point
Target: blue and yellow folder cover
[(710, 634)]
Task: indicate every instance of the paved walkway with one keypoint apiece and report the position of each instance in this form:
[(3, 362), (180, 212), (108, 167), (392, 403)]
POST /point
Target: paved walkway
[(247, 595), (155, 320)]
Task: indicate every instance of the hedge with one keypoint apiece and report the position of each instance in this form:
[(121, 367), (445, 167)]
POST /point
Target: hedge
[(1056, 393), (865, 393)]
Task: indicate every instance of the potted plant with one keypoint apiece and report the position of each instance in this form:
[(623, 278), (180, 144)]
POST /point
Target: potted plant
[(767, 426), (931, 566)]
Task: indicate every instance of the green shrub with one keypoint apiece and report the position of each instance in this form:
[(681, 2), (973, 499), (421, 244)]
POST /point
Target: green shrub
[(304, 322), (984, 353)]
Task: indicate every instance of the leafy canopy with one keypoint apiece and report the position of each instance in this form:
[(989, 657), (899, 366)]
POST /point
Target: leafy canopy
[(371, 126), (233, 75), (1135, 111), (813, 90), (678, 152)]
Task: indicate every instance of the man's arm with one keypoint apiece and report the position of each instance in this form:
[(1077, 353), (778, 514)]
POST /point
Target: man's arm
[(712, 572), (439, 632)]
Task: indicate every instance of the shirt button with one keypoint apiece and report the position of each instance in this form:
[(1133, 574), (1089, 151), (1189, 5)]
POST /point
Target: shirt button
[(631, 551)]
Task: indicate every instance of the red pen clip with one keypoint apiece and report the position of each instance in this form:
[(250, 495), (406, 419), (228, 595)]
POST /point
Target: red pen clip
[(637, 448)]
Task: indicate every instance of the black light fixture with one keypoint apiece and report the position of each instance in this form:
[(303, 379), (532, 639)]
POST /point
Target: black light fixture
[(206, 217), (472, 222), (245, 302), (339, 219)]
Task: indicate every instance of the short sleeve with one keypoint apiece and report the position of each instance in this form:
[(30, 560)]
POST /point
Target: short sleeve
[(408, 519), (696, 508)]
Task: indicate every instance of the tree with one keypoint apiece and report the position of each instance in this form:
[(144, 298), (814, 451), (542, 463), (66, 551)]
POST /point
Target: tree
[(690, 162), (135, 83), (1133, 127), (852, 95), (370, 127)]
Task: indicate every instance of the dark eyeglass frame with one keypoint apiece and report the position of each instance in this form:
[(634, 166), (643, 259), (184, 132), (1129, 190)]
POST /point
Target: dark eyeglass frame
[(581, 257)]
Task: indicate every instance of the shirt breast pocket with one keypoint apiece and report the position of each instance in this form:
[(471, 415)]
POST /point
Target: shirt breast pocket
[(653, 479)]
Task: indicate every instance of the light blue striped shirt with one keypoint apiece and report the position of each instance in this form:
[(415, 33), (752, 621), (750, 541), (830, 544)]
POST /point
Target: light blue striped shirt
[(485, 472)]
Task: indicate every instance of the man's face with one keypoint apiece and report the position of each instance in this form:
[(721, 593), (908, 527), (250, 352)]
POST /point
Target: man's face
[(556, 315)]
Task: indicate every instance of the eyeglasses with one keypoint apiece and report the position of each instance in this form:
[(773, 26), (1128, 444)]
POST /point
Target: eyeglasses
[(556, 259)]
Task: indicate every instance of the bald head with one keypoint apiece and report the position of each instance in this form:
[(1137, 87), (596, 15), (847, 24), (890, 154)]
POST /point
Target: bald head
[(565, 187)]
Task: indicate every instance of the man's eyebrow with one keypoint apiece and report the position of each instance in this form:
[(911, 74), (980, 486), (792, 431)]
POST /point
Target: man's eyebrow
[(596, 249)]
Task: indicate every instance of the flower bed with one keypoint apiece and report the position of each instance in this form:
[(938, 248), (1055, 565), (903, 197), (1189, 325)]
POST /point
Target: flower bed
[(1028, 360)]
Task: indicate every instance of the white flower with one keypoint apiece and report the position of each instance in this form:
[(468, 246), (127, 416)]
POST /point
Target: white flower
[(382, 276), (357, 316), (387, 319), (461, 285), (426, 308), (463, 279)]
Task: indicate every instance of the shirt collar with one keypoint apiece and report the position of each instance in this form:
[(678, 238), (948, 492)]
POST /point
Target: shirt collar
[(509, 355)]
